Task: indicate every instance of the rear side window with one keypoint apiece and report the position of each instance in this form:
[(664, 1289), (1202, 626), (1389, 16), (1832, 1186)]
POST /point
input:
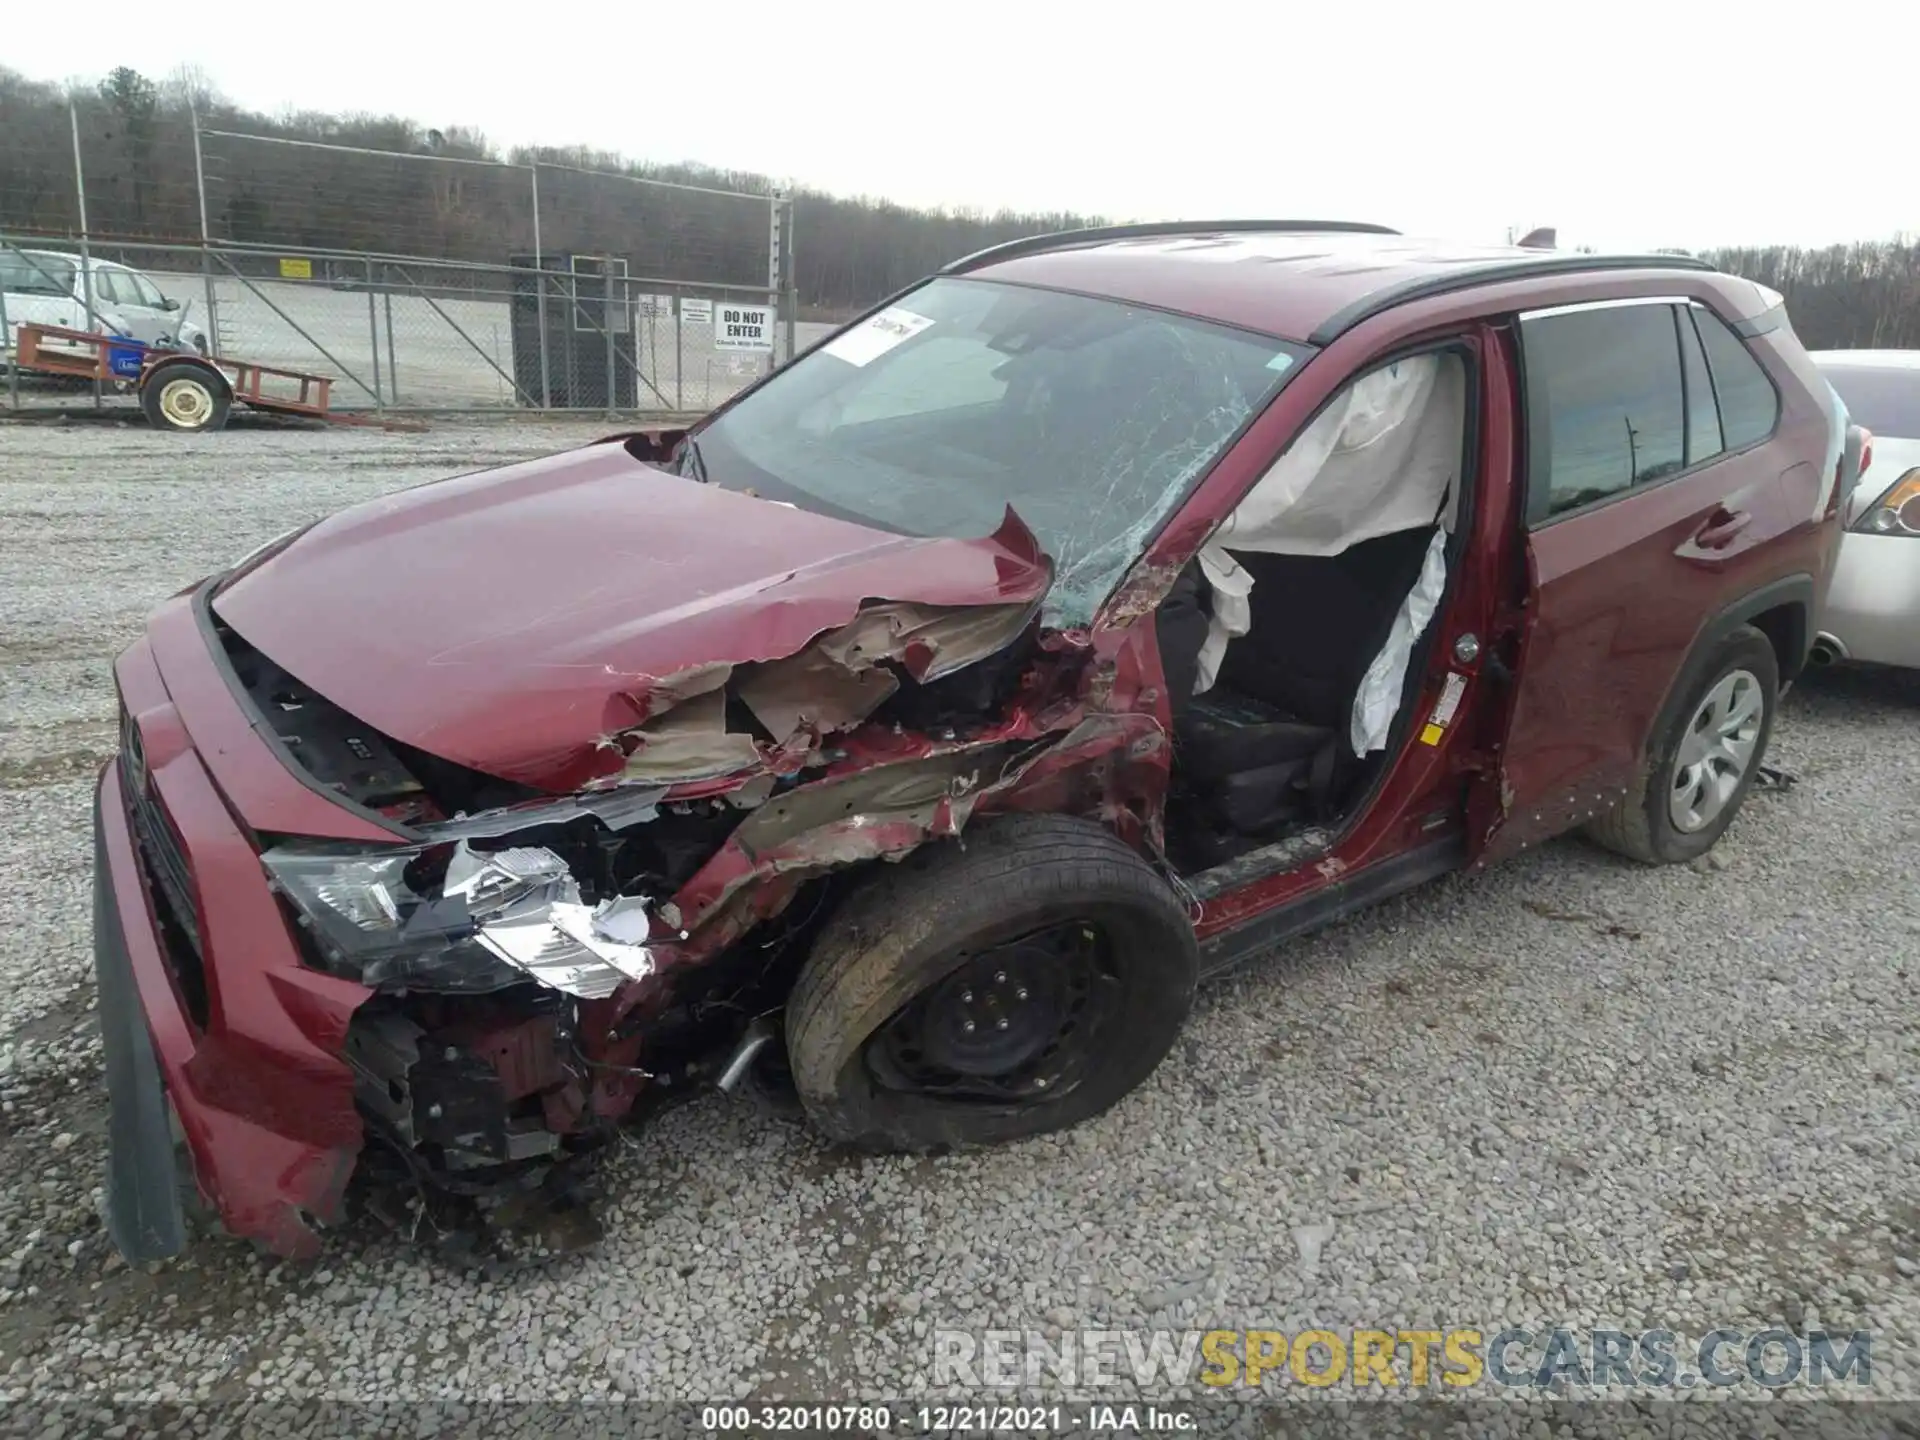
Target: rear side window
[(1605, 401), (35, 274), (1749, 406)]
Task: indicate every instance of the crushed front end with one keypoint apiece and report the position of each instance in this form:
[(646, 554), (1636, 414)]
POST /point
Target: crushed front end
[(335, 962)]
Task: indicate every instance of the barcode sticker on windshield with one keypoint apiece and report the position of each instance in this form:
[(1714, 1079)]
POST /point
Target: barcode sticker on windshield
[(875, 336)]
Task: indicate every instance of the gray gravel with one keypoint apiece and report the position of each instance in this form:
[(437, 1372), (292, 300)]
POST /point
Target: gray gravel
[(1571, 1091)]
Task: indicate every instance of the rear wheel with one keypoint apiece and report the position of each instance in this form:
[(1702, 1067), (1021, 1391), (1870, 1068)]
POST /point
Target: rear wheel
[(184, 395), (1018, 984), (1703, 762)]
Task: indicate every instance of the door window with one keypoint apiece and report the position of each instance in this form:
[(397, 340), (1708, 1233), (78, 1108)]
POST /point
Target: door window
[(145, 291), (109, 289), (1606, 404)]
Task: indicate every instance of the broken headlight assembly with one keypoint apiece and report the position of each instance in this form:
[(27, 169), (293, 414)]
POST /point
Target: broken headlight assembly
[(445, 917)]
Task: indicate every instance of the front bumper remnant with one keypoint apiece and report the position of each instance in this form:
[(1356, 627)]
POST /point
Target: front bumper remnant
[(144, 1216)]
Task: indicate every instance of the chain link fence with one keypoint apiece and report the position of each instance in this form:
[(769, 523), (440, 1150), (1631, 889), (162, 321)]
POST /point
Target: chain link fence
[(420, 282)]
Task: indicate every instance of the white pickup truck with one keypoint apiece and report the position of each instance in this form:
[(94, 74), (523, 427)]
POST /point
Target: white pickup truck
[(50, 287)]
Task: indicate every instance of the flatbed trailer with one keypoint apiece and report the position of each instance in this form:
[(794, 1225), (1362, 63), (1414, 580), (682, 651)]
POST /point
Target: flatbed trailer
[(178, 390)]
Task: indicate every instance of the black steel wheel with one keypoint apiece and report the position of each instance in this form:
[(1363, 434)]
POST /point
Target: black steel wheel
[(1016, 985)]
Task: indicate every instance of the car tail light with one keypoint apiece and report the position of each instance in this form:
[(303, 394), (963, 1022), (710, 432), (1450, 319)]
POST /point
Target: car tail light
[(1897, 512)]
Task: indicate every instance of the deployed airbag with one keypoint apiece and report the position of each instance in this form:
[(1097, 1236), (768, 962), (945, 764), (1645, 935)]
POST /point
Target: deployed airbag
[(1378, 699)]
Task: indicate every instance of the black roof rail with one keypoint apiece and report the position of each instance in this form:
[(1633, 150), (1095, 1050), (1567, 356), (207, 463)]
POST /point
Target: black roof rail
[(1096, 234), (1468, 277)]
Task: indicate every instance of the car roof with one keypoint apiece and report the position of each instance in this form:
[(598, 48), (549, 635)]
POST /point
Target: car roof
[(1298, 280)]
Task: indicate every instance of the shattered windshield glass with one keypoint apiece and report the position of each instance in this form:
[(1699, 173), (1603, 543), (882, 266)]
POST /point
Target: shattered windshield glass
[(1091, 418)]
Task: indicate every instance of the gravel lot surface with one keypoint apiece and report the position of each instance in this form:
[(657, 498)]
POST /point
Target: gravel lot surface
[(1571, 1091)]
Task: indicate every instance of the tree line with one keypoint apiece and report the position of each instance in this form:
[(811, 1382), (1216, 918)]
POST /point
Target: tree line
[(136, 142)]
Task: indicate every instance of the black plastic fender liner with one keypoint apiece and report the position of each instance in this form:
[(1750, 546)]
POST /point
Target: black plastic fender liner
[(144, 1216)]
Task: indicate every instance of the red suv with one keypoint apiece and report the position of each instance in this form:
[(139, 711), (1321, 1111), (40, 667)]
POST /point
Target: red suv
[(918, 729)]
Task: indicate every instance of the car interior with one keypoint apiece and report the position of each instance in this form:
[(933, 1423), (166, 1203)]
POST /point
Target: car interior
[(1293, 642)]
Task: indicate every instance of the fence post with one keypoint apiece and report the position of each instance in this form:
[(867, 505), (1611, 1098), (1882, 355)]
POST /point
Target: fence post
[(606, 318), (86, 259), (776, 247), (393, 366), (679, 357), (791, 289), (540, 289), (373, 337), (12, 347), (206, 234)]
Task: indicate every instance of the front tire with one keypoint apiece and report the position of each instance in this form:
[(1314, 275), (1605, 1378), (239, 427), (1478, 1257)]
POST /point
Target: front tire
[(1703, 761), (1017, 984), (185, 395)]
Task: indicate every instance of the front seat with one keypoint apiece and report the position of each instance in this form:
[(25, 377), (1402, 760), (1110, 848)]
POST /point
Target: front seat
[(1250, 767)]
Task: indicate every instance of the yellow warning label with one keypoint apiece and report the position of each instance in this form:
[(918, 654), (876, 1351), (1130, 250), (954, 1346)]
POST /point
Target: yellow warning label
[(1431, 735), (295, 267)]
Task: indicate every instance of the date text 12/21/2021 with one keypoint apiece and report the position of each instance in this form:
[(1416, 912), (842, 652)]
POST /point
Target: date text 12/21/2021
[(945, 1419)]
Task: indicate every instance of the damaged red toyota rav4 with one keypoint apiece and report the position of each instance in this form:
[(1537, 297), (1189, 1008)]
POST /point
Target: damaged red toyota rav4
[(917, 730)]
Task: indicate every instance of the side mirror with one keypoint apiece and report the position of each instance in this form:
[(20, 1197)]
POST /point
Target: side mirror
[(169, 304)]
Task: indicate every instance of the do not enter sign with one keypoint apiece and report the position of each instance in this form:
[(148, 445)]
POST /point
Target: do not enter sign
[(743, 327)]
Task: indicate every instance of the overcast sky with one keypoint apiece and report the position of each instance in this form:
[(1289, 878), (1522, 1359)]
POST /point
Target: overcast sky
[(1627, 124)]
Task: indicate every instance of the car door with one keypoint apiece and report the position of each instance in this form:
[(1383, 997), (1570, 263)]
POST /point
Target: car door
[(1648, 485), (120, 309)]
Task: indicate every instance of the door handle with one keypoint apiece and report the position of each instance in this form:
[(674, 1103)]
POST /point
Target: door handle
[(1721, 527)]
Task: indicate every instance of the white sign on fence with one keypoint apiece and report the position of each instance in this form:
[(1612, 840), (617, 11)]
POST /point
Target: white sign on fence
[(696, 310), (656, 305), (743, 327)]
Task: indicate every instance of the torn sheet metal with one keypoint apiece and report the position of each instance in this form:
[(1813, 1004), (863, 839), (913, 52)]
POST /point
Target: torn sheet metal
[(690, 742), (538, 924), (931, 641), (522, 660), (1378, 699), (813, 693)]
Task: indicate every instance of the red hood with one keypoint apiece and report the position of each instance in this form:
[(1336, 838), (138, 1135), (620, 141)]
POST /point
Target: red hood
[(513, 619)]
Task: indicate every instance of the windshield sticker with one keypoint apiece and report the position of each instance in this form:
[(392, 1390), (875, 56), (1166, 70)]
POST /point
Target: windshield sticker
[(868, 342), (1281, 363)]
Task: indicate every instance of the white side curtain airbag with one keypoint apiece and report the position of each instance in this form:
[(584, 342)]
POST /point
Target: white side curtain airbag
[(1381, 458), (1377, 700)]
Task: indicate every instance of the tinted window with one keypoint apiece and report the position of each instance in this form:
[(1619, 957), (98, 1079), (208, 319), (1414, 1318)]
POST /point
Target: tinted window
[(1748, 405), (1604, 404), (1703, 415), (35, 274), (1885, 399)]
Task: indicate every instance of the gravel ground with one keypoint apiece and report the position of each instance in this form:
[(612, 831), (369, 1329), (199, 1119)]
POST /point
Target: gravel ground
[(1571, 1091)]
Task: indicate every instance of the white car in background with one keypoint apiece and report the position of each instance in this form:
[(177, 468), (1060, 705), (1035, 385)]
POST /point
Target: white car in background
[(50, 287), (1873, 609)]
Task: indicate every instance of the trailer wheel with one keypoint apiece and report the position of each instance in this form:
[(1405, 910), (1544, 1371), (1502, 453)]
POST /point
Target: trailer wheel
[(185, 395)]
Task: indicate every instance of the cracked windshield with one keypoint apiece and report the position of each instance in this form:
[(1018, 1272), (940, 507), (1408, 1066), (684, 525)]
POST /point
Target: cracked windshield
[(1090, 418)]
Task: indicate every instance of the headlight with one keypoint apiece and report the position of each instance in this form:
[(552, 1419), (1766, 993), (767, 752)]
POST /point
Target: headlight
[(446, 917), (1897, 512)]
